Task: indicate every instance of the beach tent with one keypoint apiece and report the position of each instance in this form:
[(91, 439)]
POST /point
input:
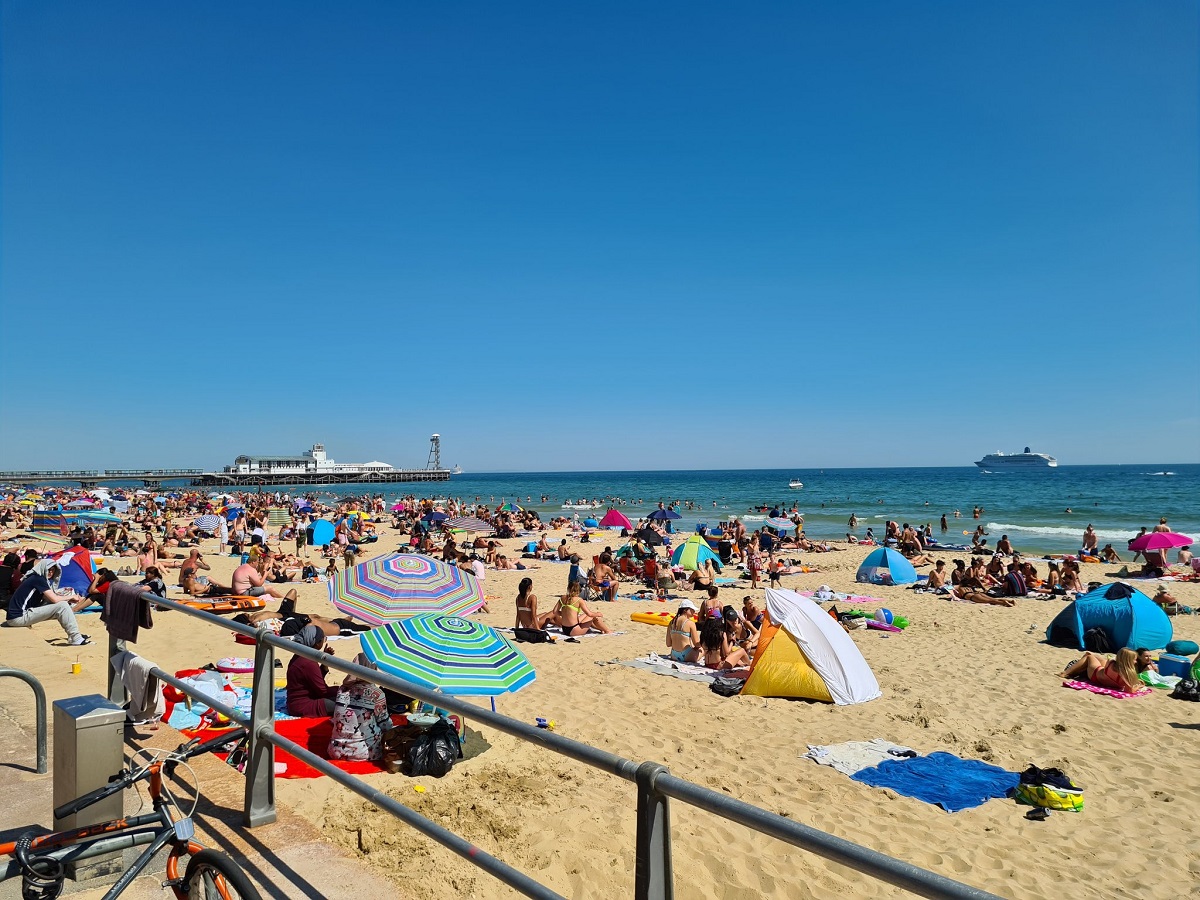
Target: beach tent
[(1128, 617), (886, 566), (803, 652), (692, 553), (614, 518), (78, 570), (320, 533)]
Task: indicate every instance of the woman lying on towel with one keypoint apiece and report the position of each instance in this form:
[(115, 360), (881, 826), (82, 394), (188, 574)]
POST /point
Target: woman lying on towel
[(289, 623), (1120, 674)]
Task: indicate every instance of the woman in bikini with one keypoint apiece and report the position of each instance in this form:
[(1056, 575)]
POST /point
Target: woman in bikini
[(527, 611), (1120, 674), (683, 638), (720, 652), (575, 617)]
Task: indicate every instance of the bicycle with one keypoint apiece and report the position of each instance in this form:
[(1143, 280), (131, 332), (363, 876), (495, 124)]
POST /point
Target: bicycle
[(208, 875)]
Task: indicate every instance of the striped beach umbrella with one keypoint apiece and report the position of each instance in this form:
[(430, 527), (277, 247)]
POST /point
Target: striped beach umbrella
[(469, 523), (398, 585), (208, 523), (779, 523), (448, 653), (692, 553)]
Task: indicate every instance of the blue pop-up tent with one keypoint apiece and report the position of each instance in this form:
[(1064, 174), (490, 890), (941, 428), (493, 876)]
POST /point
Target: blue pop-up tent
[(886, 566), (320, 533), (1127, 616)]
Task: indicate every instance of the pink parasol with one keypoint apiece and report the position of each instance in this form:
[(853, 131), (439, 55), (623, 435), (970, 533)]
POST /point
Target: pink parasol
[(1159, 540), (399, 507)]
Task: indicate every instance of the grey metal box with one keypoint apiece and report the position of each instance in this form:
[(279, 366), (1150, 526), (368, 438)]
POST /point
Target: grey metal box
[(89, 737)]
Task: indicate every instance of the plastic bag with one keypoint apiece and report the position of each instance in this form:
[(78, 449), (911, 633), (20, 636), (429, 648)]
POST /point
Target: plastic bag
[(434, 751)]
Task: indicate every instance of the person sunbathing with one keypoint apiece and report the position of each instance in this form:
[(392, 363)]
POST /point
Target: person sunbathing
[(527, 611), (741, 630), (603, 580), (192, 585), (1120, 674), (704, 577), (720, 648), (288, 622), (575, 617), (964, 592), (683, 638)]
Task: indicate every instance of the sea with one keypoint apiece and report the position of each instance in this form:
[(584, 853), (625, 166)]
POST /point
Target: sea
[(1041, 511)]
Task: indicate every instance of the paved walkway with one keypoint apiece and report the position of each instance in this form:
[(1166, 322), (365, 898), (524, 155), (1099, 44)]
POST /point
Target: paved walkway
[(286, 860)]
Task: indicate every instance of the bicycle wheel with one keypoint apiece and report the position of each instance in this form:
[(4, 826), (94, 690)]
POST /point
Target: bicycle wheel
[(214, 876)]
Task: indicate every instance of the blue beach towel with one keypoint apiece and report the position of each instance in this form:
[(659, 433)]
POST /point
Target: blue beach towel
[(942, 779)]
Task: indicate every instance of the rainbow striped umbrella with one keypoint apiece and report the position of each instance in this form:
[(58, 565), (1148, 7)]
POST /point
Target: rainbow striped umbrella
[(509, 508), (469, 523), (780, 524), (399, 585), (450, 654)]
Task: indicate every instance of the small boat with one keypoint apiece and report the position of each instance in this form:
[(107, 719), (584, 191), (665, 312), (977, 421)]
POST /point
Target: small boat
[(795, 484)]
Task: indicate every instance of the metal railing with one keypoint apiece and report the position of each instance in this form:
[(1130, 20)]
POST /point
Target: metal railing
[(39, 702), (653, 873)]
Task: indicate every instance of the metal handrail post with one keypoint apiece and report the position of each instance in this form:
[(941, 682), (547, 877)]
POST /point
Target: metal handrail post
[(39, 703), (653, 878), (260, 753), (116, 687)]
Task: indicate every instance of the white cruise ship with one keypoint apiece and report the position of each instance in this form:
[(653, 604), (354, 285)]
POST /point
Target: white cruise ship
[(999, 462)]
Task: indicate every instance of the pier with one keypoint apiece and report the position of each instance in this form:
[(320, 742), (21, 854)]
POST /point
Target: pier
[(154, 478)]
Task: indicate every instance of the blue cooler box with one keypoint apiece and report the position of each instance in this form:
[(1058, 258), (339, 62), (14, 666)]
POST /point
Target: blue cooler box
[(1174, 665)]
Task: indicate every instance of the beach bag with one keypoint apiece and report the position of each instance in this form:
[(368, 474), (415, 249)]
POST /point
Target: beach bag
[(434, 751), (1049, 789), (1096, 640), (531, 635), (1187, 689), (726, 686)]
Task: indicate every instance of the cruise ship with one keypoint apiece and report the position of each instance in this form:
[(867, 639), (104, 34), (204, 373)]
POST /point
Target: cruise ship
[(996, 462)]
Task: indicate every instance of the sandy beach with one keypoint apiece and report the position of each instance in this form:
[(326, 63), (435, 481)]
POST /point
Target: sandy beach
[(975, 681)]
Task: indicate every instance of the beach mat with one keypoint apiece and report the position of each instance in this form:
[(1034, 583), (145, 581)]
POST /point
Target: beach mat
[(311, 734), (684, 671), (942, 779)]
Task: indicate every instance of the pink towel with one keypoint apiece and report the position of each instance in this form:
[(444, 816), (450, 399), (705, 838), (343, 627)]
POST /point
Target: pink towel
[(1108, 692)]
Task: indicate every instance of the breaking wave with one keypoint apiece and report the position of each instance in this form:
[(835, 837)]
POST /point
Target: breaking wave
[(1058, 530)]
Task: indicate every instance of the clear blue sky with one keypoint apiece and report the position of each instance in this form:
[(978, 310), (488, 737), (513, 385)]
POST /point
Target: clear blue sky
[(669, 235)]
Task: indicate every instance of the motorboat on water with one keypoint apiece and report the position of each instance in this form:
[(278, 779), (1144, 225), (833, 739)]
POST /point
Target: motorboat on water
[(795, 484)]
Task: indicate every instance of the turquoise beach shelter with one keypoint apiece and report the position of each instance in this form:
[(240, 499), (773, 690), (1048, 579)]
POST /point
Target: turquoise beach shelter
[(1127, 616), (320, 533), (886, 566)]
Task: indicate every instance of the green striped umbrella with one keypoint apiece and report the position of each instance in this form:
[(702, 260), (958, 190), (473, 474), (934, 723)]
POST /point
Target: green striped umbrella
[(450, 654)]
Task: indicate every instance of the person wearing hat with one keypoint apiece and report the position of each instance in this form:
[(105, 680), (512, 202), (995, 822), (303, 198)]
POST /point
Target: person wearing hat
[(35, 601), (683, 638)]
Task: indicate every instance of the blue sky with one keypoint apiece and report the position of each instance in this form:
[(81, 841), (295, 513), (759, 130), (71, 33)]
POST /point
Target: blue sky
[(678, 235)]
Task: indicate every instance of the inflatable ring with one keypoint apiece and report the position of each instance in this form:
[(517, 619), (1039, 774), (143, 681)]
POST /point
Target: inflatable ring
[(237, 665)]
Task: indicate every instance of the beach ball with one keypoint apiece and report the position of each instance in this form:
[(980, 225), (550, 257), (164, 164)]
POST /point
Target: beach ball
[(884, 616)]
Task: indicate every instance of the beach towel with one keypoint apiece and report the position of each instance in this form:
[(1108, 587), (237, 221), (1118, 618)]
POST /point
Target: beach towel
[(311, 734), (942, 779), (125, 611), (556, 633), (1107, 692), (684, 671), (854, 756), (841, 598)]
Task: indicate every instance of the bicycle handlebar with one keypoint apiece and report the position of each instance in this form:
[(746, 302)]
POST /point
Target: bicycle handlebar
[(125, 778), (118, 782)]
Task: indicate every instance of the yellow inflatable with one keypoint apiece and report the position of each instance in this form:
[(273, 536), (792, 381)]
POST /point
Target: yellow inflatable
[(646, 618)]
